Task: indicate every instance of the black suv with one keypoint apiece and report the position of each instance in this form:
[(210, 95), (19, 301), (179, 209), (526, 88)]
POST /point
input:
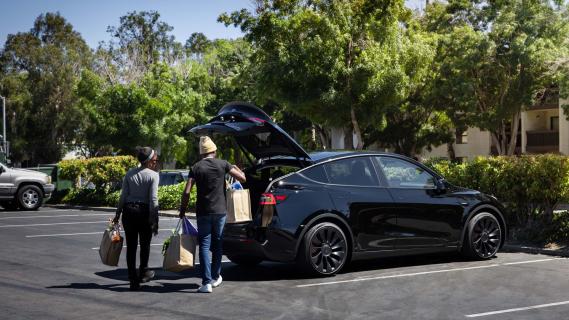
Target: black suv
[(324, 209)]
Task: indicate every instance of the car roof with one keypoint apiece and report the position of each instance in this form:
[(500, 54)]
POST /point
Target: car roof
[(321, 156)]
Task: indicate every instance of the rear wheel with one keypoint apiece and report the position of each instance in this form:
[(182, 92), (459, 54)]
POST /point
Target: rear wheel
[(324, 249), (244, 260), (30, 197), (483, 237)]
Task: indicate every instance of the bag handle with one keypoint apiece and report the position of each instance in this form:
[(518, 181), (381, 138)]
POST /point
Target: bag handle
[(177, 230)]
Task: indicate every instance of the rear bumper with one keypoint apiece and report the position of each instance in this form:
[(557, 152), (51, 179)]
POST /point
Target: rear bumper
[(248, 240)]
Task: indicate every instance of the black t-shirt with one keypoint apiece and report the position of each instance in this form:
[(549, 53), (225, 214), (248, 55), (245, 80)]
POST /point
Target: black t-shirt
[(209, 174)]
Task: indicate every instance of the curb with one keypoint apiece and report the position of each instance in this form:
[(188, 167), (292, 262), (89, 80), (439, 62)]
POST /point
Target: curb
[(163, 213), (534, 250)]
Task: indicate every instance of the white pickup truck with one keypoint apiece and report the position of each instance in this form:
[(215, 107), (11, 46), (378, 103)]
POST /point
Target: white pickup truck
[(23, 189)]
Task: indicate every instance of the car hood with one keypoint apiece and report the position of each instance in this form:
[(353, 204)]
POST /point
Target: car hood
[(253, 130), (22, 172)]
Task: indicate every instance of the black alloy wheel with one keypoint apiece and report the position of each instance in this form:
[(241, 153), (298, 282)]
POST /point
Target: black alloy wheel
[(324, 249), (484, 236)]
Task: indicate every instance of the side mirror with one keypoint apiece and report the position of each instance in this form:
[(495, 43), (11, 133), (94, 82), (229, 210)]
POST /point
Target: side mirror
[(441, 185)]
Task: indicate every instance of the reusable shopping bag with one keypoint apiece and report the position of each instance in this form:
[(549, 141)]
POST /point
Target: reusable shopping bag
[(111, 245), (238, 206), (179, 250)]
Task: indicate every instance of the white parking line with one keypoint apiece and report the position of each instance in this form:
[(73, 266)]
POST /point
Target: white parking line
[(152, 244), (421, 273), (547, 305), (72, 234), (49, 224), (59, 216)]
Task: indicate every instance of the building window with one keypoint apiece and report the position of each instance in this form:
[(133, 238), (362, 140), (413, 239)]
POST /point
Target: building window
[(554, 123), (461, 136)]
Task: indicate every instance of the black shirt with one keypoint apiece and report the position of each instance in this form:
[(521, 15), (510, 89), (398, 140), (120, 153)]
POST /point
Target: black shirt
[(209, 174)]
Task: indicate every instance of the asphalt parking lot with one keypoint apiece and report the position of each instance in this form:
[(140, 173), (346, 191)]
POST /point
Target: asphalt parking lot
[(50, 269)]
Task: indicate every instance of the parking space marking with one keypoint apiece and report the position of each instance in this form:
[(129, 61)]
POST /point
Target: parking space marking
[(49, 224), (72, 234), (540, 306), (60, 216), (421, 273)]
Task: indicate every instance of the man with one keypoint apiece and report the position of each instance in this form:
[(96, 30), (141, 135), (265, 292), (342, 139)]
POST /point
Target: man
[(211, 209)]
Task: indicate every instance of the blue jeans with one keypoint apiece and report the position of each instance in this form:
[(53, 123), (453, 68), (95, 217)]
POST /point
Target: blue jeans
[(210, 236)]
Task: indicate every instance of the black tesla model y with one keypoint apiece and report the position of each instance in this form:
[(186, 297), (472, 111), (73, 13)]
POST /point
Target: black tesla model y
[(325, 209)]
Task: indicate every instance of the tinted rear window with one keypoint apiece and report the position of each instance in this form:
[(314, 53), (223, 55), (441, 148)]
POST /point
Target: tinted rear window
[(316, 173), (356, 171)]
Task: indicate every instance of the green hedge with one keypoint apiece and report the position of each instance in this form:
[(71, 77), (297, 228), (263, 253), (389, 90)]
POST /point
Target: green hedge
[(529, 186), (169, 197), (103, 172)]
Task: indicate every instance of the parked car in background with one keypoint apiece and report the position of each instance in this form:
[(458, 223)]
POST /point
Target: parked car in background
[(324, 209), (24, 189), (170, 177)]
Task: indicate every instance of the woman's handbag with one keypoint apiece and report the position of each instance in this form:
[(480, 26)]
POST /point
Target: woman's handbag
[(179, 250), (111, 245)]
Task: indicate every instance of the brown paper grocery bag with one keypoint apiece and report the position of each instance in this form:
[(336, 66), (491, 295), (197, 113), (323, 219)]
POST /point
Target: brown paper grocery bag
[(238, 206), (180, 253), (110, 251)]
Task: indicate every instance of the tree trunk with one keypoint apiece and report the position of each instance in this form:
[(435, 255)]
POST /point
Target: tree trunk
[(514, 133), (324, 138), (496, 142), (357, 130), (348, 138), (451, 152)]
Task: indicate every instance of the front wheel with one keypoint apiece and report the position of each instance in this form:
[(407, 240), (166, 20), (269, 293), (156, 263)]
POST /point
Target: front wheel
[(483, 237), (30, 197), (324, 249)]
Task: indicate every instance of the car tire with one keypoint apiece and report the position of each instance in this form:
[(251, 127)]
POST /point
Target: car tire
[(324, 250), (244, 260), (29, 197), (483, 237), (10, 205)]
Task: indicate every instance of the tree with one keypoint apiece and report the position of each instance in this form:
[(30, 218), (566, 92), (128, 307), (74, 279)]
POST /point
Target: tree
[(140, 41), (496, 59), (330, 61), (157, 112), (197, 44), (39, 71)]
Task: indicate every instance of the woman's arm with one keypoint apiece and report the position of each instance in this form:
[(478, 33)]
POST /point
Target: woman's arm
[(122, 199)]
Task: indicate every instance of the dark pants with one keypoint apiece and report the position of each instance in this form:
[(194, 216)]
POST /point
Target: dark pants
[(136, 224), (210, 236)]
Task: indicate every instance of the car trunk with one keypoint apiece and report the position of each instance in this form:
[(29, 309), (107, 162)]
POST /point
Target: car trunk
[(271, 152)]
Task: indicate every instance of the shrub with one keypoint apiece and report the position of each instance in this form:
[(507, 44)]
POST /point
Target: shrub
[(169, 197), (530, 186), (103, 172)]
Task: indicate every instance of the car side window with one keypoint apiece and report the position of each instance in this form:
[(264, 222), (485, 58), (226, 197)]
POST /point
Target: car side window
[(403, 174), (316, 173), (357, 171)]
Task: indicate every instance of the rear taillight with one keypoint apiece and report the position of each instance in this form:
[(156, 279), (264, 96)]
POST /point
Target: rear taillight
[(267, 199), (271, 199)]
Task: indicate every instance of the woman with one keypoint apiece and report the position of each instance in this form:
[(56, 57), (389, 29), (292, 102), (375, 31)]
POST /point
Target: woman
[(139, 205)]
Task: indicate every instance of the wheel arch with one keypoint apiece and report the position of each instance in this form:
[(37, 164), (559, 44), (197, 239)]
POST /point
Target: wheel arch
[(485, 208), (29, 183), (326, 217)]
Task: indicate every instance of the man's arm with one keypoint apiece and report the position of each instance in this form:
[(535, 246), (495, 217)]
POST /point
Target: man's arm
[(186, 197), (236, 173)]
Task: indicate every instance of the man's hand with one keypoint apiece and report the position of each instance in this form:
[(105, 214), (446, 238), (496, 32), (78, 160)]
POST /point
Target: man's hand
[(182, 213), (116, 218)]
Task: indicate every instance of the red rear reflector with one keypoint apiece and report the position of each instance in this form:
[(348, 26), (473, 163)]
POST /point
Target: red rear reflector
[(267, 199), (280, 197)]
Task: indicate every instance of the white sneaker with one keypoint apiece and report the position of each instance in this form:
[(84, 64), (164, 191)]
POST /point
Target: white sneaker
[(217, 282), (205, 289)]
